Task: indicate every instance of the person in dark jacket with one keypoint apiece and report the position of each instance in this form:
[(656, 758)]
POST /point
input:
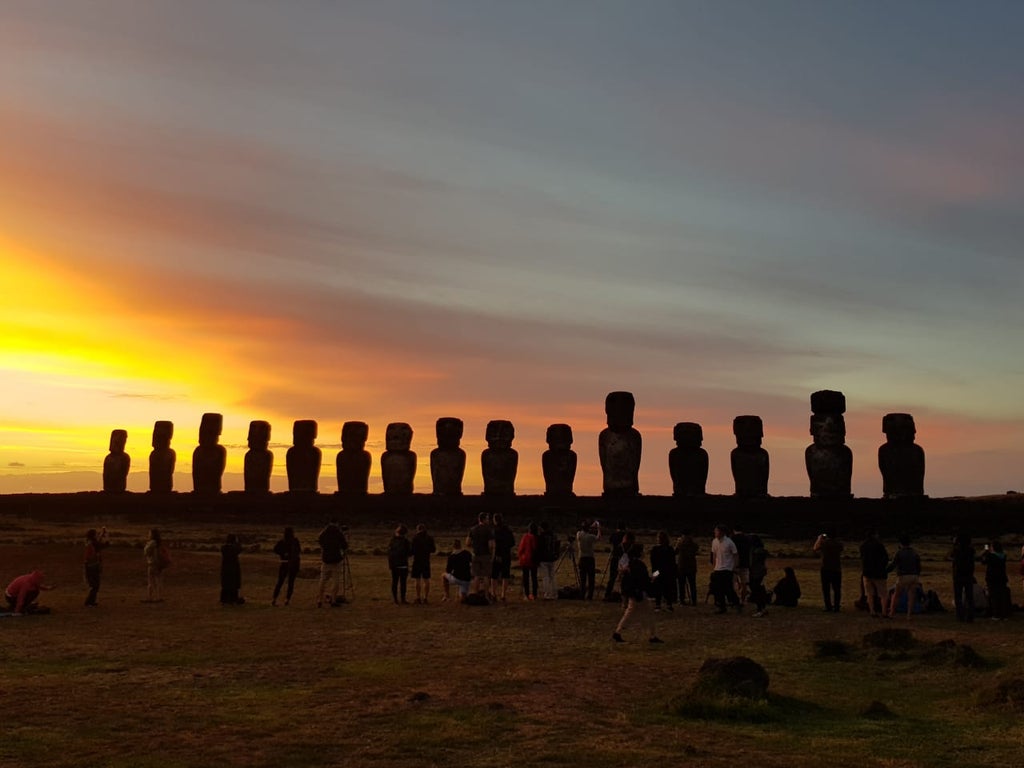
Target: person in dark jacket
[(874, 560), (758, 571), (686, 568), (501, 567), (663, 562), (907, 564), (289, 552), (231, 571), (458, 570), (963, 556), (333, 544), (996, 581), (787, 589), (94, 546), (422, 548), (399, 552), (636, 587), (831, 550)]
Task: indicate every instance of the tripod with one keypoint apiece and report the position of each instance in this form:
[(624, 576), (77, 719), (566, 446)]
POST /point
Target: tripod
[(347, 591), (570, 554)]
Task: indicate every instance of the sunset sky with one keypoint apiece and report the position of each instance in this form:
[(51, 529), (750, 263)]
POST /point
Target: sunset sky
[(396, 211)]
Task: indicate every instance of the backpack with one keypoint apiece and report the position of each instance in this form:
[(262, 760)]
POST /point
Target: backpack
[(163, 557)]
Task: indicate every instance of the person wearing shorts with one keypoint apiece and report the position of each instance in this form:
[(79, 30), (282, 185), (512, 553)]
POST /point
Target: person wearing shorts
[(481, 543), (422, 548), (907, 564)]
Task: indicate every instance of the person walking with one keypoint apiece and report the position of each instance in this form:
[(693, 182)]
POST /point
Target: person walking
[(289, 552), (94, 546), (636, 587)]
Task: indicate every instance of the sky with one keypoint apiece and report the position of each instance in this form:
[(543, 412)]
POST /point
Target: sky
[(398, 211)]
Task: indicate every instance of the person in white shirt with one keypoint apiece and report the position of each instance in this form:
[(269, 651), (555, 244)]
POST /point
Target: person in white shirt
[(723, 562)]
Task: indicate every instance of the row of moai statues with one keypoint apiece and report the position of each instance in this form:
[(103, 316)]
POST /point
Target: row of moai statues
[(829, 460)]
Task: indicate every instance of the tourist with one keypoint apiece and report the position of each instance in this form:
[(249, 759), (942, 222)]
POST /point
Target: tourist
[(289, 552), (21, 594), (907, 564), (333, 544), (636, 588), (231, 571), (723, 562), (94, 546), (663, 568), (422, 548), (399, 552), (586, 539), (874, 560), (481, 542), (831, 550), (616, 555), (158, 560), (963, 556), (758, 571), (528, 562), (787, 589), (548, 551), (686, 567), (996, 580), (501, 569), (458, 570)]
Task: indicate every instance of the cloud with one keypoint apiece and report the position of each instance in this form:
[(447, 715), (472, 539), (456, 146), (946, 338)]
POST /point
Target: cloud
[(15, 464)]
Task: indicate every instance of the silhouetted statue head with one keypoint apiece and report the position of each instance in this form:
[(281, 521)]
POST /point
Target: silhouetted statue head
[(899, 427), (163, 431), (304, 432), (449, 432), (118, 440), (559, 437), (749, 431), (259, 435), (210, 428), (500, 435), (354, 435), (687, 434), (828, 401), (398, 436), (619, 408)]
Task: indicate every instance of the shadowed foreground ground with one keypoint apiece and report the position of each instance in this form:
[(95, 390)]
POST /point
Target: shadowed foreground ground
[(189, 682)]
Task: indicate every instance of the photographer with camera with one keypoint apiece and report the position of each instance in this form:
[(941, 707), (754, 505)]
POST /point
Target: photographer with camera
[(332, 554)]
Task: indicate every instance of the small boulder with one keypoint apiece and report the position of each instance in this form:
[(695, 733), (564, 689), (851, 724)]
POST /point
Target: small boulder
[(735, 676)]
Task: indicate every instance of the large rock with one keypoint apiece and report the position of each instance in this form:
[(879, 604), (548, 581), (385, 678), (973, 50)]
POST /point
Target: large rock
[(734, 676)]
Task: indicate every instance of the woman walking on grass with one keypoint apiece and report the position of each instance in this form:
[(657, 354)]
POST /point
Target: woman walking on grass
[(636, 586)]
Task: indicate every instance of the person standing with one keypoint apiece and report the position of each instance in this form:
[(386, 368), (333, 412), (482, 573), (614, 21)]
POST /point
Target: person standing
[(333, 544), (741, 573), (399, 552), (289, 552), (758, 571), (501, 570), (686, 567), (94, 546), (586, 539), (481, 542), (831, 550), (422, 548), (996, 580), (231, 571), (907, 564), (616, 555), (963, 556), (874, 560), (549, 550), (723, 561), (158, 560), (663, 570), (528, 561), (636, 588)]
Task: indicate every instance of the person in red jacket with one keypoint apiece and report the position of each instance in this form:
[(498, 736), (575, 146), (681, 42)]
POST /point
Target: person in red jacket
[(21, 593), (528, 562)]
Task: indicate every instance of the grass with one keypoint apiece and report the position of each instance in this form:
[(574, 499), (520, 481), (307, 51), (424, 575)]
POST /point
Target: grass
[(189, 682)]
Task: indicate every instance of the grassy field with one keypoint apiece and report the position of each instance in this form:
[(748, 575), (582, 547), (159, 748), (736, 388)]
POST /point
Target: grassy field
[(190, 682)]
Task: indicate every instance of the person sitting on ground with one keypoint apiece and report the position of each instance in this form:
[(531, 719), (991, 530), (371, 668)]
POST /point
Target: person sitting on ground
[(458, 570), (787, 589), (21, 594)]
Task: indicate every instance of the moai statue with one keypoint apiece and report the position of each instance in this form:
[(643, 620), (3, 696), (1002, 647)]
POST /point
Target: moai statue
[(448, 460), (749, 459), (162, 458), (353, 460), (900, 459), (209, 457), (829, 460), (499, 460), (559, 461), (303, 458), (398, 463), (619, 447), (259, 460), (116, 464), (688, 461)]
